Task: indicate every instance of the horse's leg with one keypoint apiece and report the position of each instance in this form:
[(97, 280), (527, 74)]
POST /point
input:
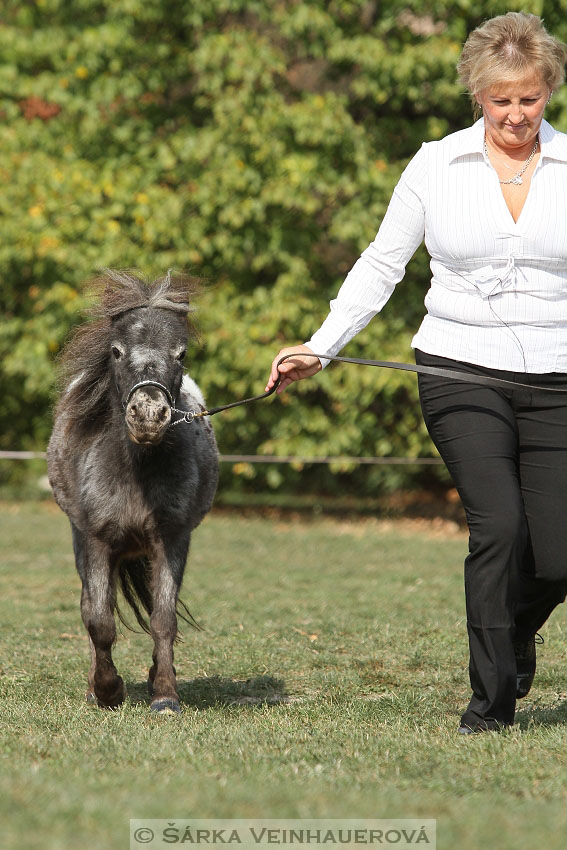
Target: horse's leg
[(80, 561), (97, 608), (91, 698), (152, 673), (168, 563)]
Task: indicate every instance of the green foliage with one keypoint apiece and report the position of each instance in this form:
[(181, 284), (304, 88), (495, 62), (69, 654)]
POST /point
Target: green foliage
[(255, 144)]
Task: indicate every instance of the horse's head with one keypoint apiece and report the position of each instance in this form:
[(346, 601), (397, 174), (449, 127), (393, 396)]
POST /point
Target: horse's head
[(148, 344)]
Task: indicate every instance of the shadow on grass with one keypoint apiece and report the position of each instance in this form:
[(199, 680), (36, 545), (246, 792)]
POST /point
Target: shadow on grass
[(211, 691), (552, 716)]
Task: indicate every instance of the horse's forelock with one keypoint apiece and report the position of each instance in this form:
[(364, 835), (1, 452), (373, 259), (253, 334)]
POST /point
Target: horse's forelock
[(118, 292), (174, 291)]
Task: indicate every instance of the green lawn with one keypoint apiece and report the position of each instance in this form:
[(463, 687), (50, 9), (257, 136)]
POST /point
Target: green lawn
[(328, 682)]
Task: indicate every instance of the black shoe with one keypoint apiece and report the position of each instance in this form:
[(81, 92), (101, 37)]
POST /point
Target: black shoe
[(525, 652)]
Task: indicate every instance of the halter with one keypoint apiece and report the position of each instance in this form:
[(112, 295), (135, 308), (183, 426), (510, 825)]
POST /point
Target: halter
[(157, 384), (186, 416)]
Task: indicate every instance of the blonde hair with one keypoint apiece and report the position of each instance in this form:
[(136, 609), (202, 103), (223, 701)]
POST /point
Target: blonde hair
[(507, 48)]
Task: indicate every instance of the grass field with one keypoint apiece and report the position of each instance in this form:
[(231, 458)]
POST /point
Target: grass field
[(328, 682)]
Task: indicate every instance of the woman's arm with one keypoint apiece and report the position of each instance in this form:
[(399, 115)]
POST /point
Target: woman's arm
[(372, 279)]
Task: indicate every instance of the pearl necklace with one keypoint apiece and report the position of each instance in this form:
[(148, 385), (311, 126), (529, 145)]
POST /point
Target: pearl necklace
[(517, 178)]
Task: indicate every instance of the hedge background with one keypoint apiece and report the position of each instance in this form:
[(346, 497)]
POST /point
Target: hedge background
[(255, 144)]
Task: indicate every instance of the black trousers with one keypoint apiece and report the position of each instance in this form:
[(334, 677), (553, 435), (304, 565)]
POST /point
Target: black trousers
[(506, 451)]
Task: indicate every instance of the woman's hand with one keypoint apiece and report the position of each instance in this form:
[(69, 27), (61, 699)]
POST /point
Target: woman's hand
[(295, 369)]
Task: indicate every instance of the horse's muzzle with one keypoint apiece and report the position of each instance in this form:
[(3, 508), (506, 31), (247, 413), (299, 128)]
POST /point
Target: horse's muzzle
[(148, 415)]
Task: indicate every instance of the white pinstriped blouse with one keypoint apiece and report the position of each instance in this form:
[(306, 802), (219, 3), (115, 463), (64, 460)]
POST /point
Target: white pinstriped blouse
[(498, 294)]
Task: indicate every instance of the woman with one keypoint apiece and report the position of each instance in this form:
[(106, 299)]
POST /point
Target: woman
[(491, 201)]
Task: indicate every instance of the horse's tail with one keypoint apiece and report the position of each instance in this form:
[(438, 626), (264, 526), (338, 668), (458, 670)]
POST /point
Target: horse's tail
[(134, 577)]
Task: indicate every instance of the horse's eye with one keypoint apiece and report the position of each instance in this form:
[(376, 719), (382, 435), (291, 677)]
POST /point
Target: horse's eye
[(117, 352), (181, 355)]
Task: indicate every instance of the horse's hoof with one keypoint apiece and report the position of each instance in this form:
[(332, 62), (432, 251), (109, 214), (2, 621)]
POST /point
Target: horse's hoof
[(115, 702), (150, 687), (112, 700), (166, 705)]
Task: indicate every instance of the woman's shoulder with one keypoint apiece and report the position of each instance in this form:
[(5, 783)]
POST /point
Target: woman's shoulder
[(435, 155), (459, 143), (553, 142)]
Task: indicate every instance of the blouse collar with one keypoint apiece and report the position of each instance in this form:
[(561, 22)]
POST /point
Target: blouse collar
[(553, 144)]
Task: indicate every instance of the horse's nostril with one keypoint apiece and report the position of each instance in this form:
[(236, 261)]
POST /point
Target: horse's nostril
[(148, 415)]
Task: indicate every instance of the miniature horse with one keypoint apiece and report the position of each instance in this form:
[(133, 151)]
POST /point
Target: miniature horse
[(133, 486)]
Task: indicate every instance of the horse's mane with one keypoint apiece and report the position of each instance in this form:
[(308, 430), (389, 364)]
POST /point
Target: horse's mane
[(84, 363)]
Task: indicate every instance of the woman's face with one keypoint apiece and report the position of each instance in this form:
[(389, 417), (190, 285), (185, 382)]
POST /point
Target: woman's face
[(513, 110)]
